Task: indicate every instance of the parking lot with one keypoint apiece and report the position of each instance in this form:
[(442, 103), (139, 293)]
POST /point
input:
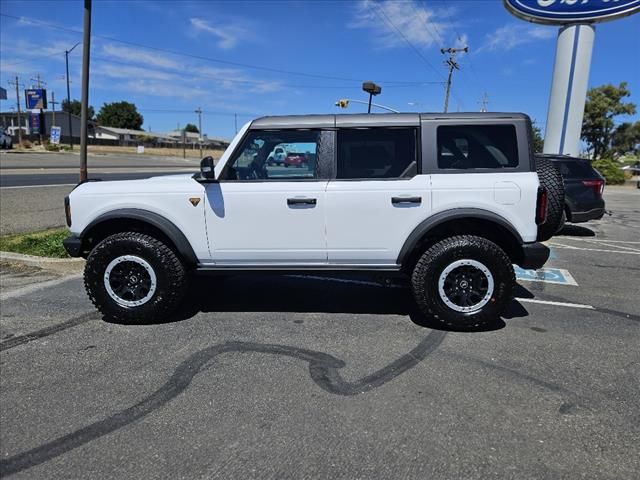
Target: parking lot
[(333, 377)]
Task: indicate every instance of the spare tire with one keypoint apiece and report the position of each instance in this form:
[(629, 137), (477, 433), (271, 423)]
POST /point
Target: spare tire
[(550, 179)]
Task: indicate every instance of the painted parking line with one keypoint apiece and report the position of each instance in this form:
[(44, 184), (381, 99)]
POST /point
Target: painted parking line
[(558, 276), (556, 304), (571, 247)]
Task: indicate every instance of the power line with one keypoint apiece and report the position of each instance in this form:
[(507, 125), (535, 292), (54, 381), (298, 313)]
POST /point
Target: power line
[(188, 55), (379, 10)]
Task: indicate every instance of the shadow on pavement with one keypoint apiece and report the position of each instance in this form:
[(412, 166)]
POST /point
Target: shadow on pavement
[(314, 294), (575, 231)]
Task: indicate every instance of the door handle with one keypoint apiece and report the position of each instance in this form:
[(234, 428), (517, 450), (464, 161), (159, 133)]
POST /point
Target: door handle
[(395, 200), (301, 201)]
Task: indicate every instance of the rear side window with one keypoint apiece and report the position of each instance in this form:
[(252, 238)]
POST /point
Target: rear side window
[(477, 146), (575, 169), (377, 153)]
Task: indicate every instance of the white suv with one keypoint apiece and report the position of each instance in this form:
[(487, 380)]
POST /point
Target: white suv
[(450, 200)]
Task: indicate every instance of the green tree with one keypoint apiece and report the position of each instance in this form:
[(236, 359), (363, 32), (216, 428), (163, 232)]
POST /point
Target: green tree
[(74, 108), (190, 127), (626, 139), (538, 141), (120, 115), (604, 103)]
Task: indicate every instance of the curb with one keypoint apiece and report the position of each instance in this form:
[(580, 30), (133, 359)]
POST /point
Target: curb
[(32, 259)]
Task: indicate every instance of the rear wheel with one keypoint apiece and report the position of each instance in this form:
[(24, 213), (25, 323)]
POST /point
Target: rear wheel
[(463, 282), (551, 179), (132, 277)]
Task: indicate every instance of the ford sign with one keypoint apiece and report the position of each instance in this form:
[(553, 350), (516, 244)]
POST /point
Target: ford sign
[(571, 11)]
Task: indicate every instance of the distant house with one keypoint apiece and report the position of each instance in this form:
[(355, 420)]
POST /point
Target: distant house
[(126, 136)]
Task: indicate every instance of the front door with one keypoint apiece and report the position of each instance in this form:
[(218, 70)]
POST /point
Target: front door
[(264, 212)]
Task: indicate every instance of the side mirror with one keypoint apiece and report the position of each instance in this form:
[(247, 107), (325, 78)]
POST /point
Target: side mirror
[(207, 168)]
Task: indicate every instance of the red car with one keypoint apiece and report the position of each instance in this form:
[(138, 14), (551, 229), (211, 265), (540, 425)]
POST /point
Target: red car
[(295, 160)]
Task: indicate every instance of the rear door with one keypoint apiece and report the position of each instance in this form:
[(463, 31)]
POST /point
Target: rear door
[(378, 195)]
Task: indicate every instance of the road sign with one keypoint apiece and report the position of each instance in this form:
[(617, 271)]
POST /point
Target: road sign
[(34, 123), (54, 137), (36, 98), (571, 11)]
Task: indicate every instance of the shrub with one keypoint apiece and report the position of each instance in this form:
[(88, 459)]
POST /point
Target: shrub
[(50, 147), (26, 144), (610, 170)]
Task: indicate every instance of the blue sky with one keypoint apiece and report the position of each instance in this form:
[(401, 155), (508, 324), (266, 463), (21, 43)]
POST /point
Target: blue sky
[(310, 54)]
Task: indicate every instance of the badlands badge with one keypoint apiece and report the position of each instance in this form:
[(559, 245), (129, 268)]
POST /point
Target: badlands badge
[(194, 201)]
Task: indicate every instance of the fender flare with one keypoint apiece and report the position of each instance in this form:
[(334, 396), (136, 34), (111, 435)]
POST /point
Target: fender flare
[(441, 217), (155, 220)]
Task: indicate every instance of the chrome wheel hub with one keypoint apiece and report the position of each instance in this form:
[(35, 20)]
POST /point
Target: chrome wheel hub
[(466, 285), (130, 281)]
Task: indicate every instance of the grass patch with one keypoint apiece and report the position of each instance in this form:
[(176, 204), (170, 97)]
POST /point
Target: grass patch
[(47, 243)]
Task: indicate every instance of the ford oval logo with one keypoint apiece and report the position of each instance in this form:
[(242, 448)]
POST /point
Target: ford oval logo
[(571, 11)]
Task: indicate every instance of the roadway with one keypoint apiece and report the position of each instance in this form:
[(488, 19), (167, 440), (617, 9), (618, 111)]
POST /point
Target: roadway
[(33, 185)]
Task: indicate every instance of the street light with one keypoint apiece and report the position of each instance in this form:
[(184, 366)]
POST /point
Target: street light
[(344, 103), (66, 58), (372, 89)]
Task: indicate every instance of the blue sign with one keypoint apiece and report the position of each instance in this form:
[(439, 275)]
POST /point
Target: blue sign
[(54, 137), (34, 122), (571, 11), (36, 98)]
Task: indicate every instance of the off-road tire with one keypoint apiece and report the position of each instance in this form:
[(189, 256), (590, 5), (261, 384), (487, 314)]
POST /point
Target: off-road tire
[(551, 179), (436, 259), (170, 272)]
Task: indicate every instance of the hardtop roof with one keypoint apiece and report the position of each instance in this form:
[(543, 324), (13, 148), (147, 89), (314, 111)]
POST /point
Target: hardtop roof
[(374, 119)]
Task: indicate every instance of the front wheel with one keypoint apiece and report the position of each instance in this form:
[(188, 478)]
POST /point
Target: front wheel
[(132, 278), (463, 282)]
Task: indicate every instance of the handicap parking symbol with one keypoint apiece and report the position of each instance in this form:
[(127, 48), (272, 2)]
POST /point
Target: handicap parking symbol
[(548, 275)]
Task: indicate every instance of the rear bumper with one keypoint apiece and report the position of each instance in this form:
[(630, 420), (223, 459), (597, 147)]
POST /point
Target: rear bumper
[(73, 245), (594, 214), (534, 255)]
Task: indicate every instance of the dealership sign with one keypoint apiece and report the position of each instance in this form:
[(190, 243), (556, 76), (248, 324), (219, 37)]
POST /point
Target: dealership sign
[(571, 11), (36, 98)]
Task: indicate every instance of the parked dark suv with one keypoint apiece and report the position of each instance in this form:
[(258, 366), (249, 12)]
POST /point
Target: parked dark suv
[(583, 188)]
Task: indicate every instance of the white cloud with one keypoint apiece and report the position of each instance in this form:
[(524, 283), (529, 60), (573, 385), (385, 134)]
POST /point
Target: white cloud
[(139, 56), (420, 25), (515, 34), (228, 35)]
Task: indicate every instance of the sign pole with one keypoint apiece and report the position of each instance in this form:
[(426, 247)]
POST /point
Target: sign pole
[(569, 89), (84, 115)]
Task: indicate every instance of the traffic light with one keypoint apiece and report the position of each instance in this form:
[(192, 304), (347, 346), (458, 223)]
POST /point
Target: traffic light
[(344, 103)]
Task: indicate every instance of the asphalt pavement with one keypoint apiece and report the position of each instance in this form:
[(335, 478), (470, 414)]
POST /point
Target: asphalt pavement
[(333, 377)]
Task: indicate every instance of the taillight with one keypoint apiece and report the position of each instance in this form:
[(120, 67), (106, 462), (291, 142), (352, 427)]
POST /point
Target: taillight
[(596, 185), (541, 207), (67, 210)]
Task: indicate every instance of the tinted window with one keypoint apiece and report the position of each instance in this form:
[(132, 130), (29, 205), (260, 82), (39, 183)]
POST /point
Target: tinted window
[(377, 153), (575, 169), (477, 146), (276, 155)]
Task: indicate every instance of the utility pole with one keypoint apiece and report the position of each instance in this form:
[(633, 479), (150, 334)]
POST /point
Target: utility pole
[(453, 65), (18, 85), (66, 59), (84, 115), (199, 112), (53, 107), (235, 121), (38, 81), (484, 102)]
